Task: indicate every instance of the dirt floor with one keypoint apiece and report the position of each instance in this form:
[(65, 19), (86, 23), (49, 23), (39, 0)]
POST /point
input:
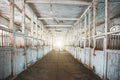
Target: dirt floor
[(57, 66)]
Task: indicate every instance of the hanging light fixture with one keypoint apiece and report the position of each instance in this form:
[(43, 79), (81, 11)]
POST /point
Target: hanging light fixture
[(52, 13)]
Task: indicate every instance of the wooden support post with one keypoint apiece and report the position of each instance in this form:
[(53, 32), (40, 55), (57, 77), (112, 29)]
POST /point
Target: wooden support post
[(89, 24), (32, 24), (85, 27), (13, 37), (94, 24), (24, 31), (80, 34), (32, 32), (23, 17), (107, 22), (36, 31)]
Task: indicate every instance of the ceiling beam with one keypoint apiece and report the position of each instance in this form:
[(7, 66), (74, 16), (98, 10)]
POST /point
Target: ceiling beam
[(67, 19), (58, 30), (20, 10), (17, 7), (59, 2), (58, 25)]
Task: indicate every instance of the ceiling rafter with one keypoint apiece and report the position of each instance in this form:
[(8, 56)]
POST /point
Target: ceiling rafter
[(59, 2), (69, 19), (58, 25)]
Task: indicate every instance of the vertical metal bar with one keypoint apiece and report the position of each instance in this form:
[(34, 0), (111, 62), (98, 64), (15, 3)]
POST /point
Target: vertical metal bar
[(80, 34), (32, 27), (107, 19), (13, 37), (37, 36), (111, 41), (36, 28), (3, 58), (77, 39), (118, 41), (32, 24), (41, 31), (2, 39)]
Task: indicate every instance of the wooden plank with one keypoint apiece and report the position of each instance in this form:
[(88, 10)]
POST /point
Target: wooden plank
[(23, 17), (107, 22), (13, 36), (89, 25), (6, 29), (32, 31), (85, 26), (94, 23), (24, 31)]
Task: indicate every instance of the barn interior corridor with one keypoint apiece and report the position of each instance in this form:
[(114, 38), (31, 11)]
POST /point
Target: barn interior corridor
[(57, 65), (59, 39)]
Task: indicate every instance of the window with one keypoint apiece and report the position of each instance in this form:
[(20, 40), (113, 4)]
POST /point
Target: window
[(115, 28), (114, 39), (5, 38), (98, 32)]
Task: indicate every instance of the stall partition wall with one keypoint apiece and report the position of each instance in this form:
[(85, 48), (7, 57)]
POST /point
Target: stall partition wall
[(94, 40)]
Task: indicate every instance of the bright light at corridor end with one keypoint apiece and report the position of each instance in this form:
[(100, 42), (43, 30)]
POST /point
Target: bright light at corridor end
[(58, 44)]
